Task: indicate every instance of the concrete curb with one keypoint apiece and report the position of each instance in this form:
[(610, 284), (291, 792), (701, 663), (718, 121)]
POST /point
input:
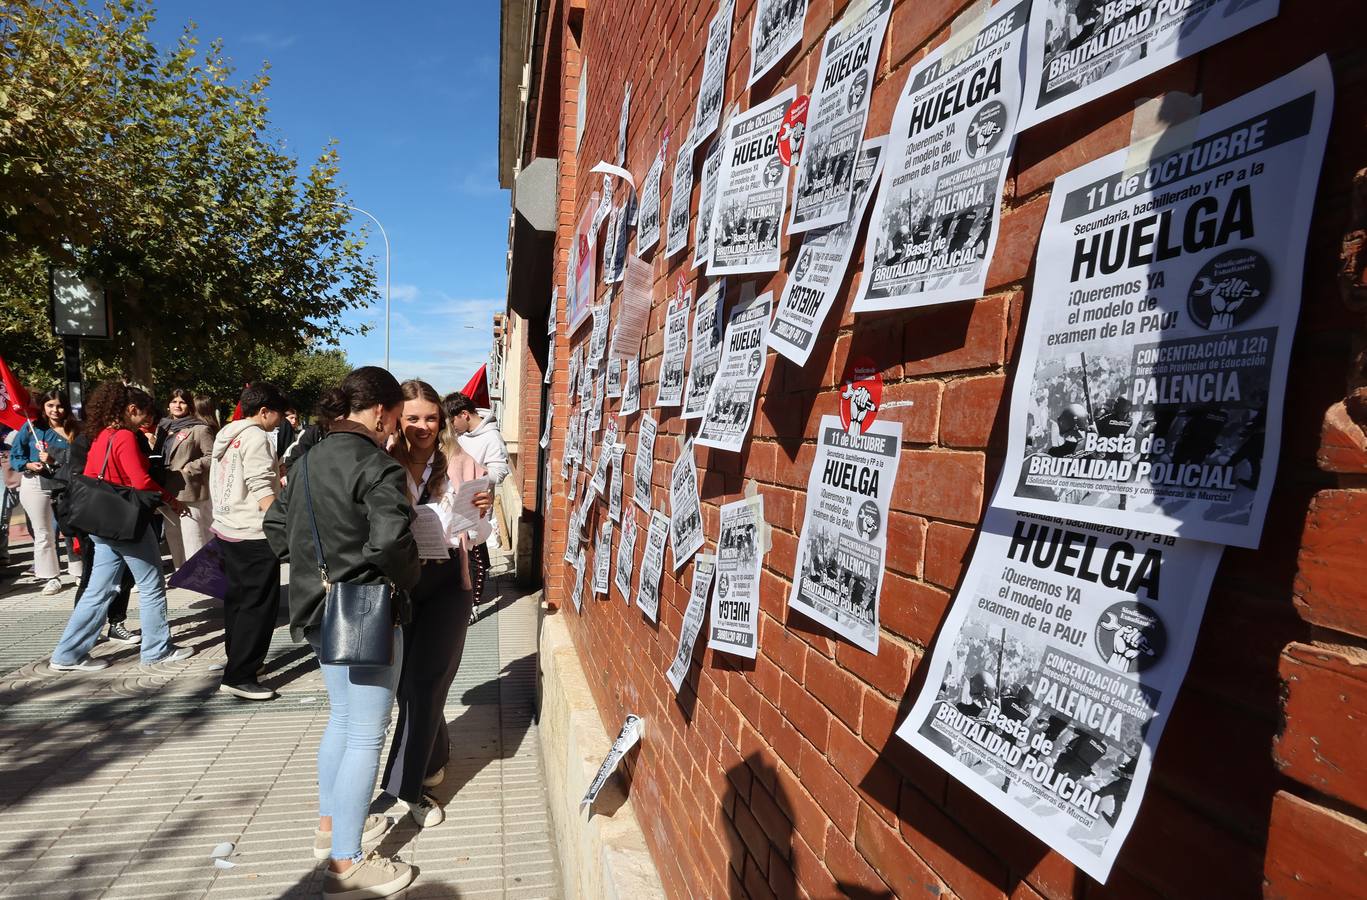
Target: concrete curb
[(602, 854)]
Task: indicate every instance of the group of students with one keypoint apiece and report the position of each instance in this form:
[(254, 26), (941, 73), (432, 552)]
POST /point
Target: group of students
[(378, 450)]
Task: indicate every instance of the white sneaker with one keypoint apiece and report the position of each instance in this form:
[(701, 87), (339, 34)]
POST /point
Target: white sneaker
[(176, 655), (53, 586), (84, 664), (372, 877), (375, 827), (426, 812), (435, 778)]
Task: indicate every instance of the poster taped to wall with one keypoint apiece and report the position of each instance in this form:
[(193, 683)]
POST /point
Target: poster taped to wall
[(707, 332), (704, 567), (644, 465), (1084, 49), (685, 512), (1054, 672), (652, 566), (669, 392), (602, 558), (1153, 366), (735, 594), (835, 120), (844, 540), (712, 87), (626, 557), (752, 190), (730, 408), (618, 487), (777, 29), (680, 201), (810, 289), (934, 223), (583, 255), (631, 389), (648, 221), (707, 203)]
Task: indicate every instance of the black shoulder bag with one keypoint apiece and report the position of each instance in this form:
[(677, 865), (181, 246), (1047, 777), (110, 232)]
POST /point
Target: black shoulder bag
[(358, 619), (114, 512)]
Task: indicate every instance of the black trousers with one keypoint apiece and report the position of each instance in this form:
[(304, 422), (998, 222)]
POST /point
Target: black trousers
[(253, 576), (432, 647), (118, 610)]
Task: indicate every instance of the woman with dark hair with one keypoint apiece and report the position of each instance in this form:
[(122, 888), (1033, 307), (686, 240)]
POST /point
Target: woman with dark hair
[(435, 639), (358, 500), (39, 450), (186, 444), (119, 456), (207, 412)]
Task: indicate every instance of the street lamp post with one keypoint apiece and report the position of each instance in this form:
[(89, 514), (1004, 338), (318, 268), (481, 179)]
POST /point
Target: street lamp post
[(386, 273)]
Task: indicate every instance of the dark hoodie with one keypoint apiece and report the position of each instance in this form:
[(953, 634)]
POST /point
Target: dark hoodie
[(361, 504)]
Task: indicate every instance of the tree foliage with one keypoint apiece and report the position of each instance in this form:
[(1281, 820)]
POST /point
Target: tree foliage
[(156, 171)]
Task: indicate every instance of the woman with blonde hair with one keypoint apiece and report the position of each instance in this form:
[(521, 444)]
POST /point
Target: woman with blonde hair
[(435, 638)]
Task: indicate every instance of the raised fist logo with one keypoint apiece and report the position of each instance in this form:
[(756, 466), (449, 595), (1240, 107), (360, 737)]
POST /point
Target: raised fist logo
[(1229, 289), (1225, 299), (1128, 644), (1130, 637), (861, 404)]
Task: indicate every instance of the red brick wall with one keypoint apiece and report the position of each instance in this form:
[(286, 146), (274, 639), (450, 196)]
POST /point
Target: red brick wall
[(780, 777)]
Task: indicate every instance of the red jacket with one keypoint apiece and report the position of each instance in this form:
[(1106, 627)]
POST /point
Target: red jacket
[(127, 461)]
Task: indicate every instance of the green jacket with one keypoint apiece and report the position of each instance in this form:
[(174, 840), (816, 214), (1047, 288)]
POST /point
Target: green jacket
[(361, 505)]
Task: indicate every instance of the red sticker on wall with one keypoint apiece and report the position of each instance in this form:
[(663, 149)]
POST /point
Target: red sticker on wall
[(861, 395), (792, 130)]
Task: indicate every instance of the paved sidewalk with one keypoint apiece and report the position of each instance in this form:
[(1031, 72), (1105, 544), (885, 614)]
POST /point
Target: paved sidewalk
[(121, 783)]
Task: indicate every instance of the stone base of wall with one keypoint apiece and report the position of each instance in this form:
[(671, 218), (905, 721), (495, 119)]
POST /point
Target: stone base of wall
[(603, 853)]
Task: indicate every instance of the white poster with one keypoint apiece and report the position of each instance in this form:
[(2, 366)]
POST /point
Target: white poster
[(631, 390), (835, 119), (614, 386), (581, 101), (577, 594), (777, 29), (669, 391), (1084, 49), (685, 512), (712, 88), (704, 567), (1054, 672), (707, 332), (648, 217), (735, 596), (643, 469), (1153, 365), (934, 223), (752, 190), (622, 118), (844, 540), (626, 557), (546, 433), (730, 408), (811, 287), (680, 198), (652, 565), (618, 486), (628, 737), (707, 203), (598, 338), (599, 484), (602, 558), (634, 314)]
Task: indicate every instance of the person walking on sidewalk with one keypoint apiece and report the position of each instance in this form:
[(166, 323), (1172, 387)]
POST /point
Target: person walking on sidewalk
[(354, 491), (186, 444), (119, 455), (479, 436), (244, 481), (434, 640), (37, 453)]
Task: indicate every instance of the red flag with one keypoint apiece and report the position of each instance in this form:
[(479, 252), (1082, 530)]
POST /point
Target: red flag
[(16, 407), (478, 389), (237, 410)]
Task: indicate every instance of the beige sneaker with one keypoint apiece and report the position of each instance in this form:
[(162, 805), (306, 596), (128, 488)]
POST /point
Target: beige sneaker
[(370, 878), (375, 827)]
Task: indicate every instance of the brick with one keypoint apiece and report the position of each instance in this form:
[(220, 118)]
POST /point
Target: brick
[(947, 553), (1325, 714), (1313, 852), (840, 691), (831, 792), (912, 609), (1015, 250), (888, 670), (964, 864), (945, 484), (955, 337), (805, 712), (1333, 562), (972, 410)]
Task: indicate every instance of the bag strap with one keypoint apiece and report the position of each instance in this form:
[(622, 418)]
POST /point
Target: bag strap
[(108, 448), (313, 523)]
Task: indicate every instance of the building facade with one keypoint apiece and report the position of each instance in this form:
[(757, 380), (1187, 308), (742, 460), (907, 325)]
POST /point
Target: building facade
[(781, 776)]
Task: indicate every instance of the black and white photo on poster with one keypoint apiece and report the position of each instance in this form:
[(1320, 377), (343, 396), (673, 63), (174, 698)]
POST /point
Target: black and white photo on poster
[(704, 568), (680, 201), (577, 594), (618, 486), (730, 407), (622, 118), (707, 202), (843, 547), (626, 218), (652, 566), (599, 484), (735, 591), (1153, 367), (752, 190), (546, 432), (669, 391), (777, 29), (604, 208), (685, 510), (600, 388), (707, 331), (648, 215), (614, 386), (550, 361), (626, 557), (610, 244), (1080, 50), (631, 389), (934, 223), (712, 88), (552, 316), (822, 258), (1053, 675), (572, 377), (643, 467), (585, 386), (839, 107), (602, 558), (598, 338)]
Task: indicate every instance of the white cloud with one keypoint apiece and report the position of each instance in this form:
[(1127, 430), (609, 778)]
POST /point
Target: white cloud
[(271, 40)]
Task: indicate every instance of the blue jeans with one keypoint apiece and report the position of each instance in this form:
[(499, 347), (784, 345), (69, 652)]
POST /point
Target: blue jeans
[(360, 700), (143, 558)]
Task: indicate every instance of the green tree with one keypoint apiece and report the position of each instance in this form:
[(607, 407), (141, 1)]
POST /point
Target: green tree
[(156, 171)]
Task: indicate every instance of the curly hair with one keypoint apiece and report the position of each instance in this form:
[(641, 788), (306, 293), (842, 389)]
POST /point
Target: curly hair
[(414, 389), (107, 403)]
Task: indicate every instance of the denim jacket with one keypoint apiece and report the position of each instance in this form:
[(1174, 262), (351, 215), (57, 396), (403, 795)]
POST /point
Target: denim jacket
[(25, 449)]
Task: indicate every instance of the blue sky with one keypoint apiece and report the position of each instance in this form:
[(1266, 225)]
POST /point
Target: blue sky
[(410, 92)]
